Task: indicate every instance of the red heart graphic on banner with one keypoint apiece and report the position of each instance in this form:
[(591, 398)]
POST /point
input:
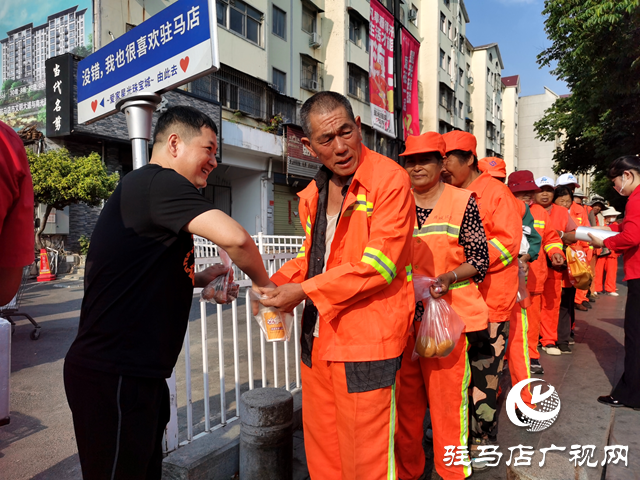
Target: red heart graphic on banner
[(94, 105), (184, 63)]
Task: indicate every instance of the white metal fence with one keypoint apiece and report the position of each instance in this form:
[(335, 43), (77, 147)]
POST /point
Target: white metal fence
[(192, 418)]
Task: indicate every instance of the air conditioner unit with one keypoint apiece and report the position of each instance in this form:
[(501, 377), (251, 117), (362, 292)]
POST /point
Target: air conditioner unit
[(413, 15), (502, 136), (470, 109), (313, 85), (470, 81), (315, 40)]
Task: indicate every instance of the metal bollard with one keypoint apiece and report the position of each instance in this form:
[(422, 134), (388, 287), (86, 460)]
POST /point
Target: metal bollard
[(266, 434), (5, 369)]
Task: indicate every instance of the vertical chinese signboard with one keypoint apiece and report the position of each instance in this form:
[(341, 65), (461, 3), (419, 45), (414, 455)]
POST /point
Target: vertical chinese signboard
[(59, 88), (410, 112), (381, 69)]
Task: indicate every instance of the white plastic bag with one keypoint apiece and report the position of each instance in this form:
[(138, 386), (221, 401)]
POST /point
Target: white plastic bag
[(440, 328), (275, 325), (222, 289)]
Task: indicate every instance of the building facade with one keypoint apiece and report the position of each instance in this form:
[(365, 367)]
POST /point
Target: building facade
[(26, 48), (510, 116)]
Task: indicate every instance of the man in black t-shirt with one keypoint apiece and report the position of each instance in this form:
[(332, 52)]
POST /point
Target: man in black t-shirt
[(139, 284)]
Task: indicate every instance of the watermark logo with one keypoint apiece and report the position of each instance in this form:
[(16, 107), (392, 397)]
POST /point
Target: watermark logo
[(547, 406)]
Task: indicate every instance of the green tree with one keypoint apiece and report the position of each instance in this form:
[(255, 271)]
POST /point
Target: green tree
[(86, 50), (60, 180), (6, 85), (596, 51)]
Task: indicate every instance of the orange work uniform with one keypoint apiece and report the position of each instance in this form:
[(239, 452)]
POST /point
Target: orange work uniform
[(559, 220), (440, 383), (499, 211), (608, 265), (581, 217), (365, 305), (525, 323)]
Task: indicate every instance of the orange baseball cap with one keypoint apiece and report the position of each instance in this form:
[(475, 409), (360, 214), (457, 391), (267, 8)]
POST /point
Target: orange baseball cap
[(494, 166), (459, 140), (425, 143)]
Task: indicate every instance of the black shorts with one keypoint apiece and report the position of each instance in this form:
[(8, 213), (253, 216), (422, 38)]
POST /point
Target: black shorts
[(118, 421)]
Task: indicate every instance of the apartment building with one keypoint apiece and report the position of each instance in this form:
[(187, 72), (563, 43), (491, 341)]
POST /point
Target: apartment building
[(486, 99), (510, 117), (444, 68), (26, 48)]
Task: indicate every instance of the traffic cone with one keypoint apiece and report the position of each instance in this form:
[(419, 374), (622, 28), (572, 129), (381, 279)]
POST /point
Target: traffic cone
[(45, 271)]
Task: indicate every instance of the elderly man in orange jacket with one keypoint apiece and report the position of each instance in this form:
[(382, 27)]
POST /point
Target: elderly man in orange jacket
[(354, 272)]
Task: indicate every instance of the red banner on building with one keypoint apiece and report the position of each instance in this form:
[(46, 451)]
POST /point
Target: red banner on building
[(410, 110), (381, 69)]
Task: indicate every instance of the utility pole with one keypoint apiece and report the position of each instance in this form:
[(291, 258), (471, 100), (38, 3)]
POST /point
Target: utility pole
[(397, 82)]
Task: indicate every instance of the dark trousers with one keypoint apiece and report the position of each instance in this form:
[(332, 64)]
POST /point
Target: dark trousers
[(627, 390), (118, 422), (567, 315), (486, 359)]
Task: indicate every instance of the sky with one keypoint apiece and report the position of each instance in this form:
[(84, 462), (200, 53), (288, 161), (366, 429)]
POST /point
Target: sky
[(517, 26)]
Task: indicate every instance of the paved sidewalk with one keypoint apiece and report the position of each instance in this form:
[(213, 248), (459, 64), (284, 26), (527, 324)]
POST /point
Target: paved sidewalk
[(39, 443)]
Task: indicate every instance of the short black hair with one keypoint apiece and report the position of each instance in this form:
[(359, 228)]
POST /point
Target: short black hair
[(323, 102), (622, 164), (561, 191), (187, 120)]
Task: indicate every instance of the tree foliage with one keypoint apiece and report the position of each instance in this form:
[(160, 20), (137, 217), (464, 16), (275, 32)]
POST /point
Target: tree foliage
[(596, 50), (60, 180)]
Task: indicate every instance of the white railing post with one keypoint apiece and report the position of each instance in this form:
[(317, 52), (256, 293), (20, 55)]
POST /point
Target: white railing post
[(187, 367), (170, 440), (205, 365), (223, 401), (249, 339), (236, 354)]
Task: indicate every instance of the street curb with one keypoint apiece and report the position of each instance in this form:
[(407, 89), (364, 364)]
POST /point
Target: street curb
[(215, 456)]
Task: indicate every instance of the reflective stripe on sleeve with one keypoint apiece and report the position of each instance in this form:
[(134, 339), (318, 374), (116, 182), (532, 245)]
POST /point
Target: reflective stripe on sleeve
[(301, 252), (409, 270), (455, 286), (307, 227), (380, 262), (547, 248), (539, 224), (505, 257), (360, 205)]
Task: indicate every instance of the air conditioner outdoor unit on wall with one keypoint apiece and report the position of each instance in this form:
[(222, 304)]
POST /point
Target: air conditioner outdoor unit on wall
[(413, 15), (470, 109), (314, 85), (470, 80), (315, 41)]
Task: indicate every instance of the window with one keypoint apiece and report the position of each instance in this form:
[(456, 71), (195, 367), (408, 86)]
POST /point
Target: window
[(280, 80), (447, 3), (449, 30), (449, 65), (460, 110), (308, 74), (413, 15), (443, 23), (442, 64), (358, 31), (279, 23), (358, 83), (308, 19), (446, 97), (461, 44), (460, 76), (489, 76), (243, 19)]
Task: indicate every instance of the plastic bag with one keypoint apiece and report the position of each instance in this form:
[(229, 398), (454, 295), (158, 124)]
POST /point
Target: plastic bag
[(580, 273), (523, 297), (222, 289), (440, 328), (275, 325)]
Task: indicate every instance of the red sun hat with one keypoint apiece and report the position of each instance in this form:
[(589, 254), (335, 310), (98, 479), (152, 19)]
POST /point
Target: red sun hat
[(426, 143), (522, 181), (459, 140), (494, 166)]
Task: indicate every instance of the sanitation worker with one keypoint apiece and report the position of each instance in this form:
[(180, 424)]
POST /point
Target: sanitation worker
[(450, 245), (500, 213), (494, 166), (354, 271)]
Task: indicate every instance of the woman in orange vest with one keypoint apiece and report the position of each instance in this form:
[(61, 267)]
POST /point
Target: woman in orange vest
[(450, 244), (500, 214), (564, 226), (522, 348), (607, 263)]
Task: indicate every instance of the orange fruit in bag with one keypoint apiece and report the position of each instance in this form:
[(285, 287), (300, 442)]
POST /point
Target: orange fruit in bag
[(273, 325), (445, 348), (425, 346)]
